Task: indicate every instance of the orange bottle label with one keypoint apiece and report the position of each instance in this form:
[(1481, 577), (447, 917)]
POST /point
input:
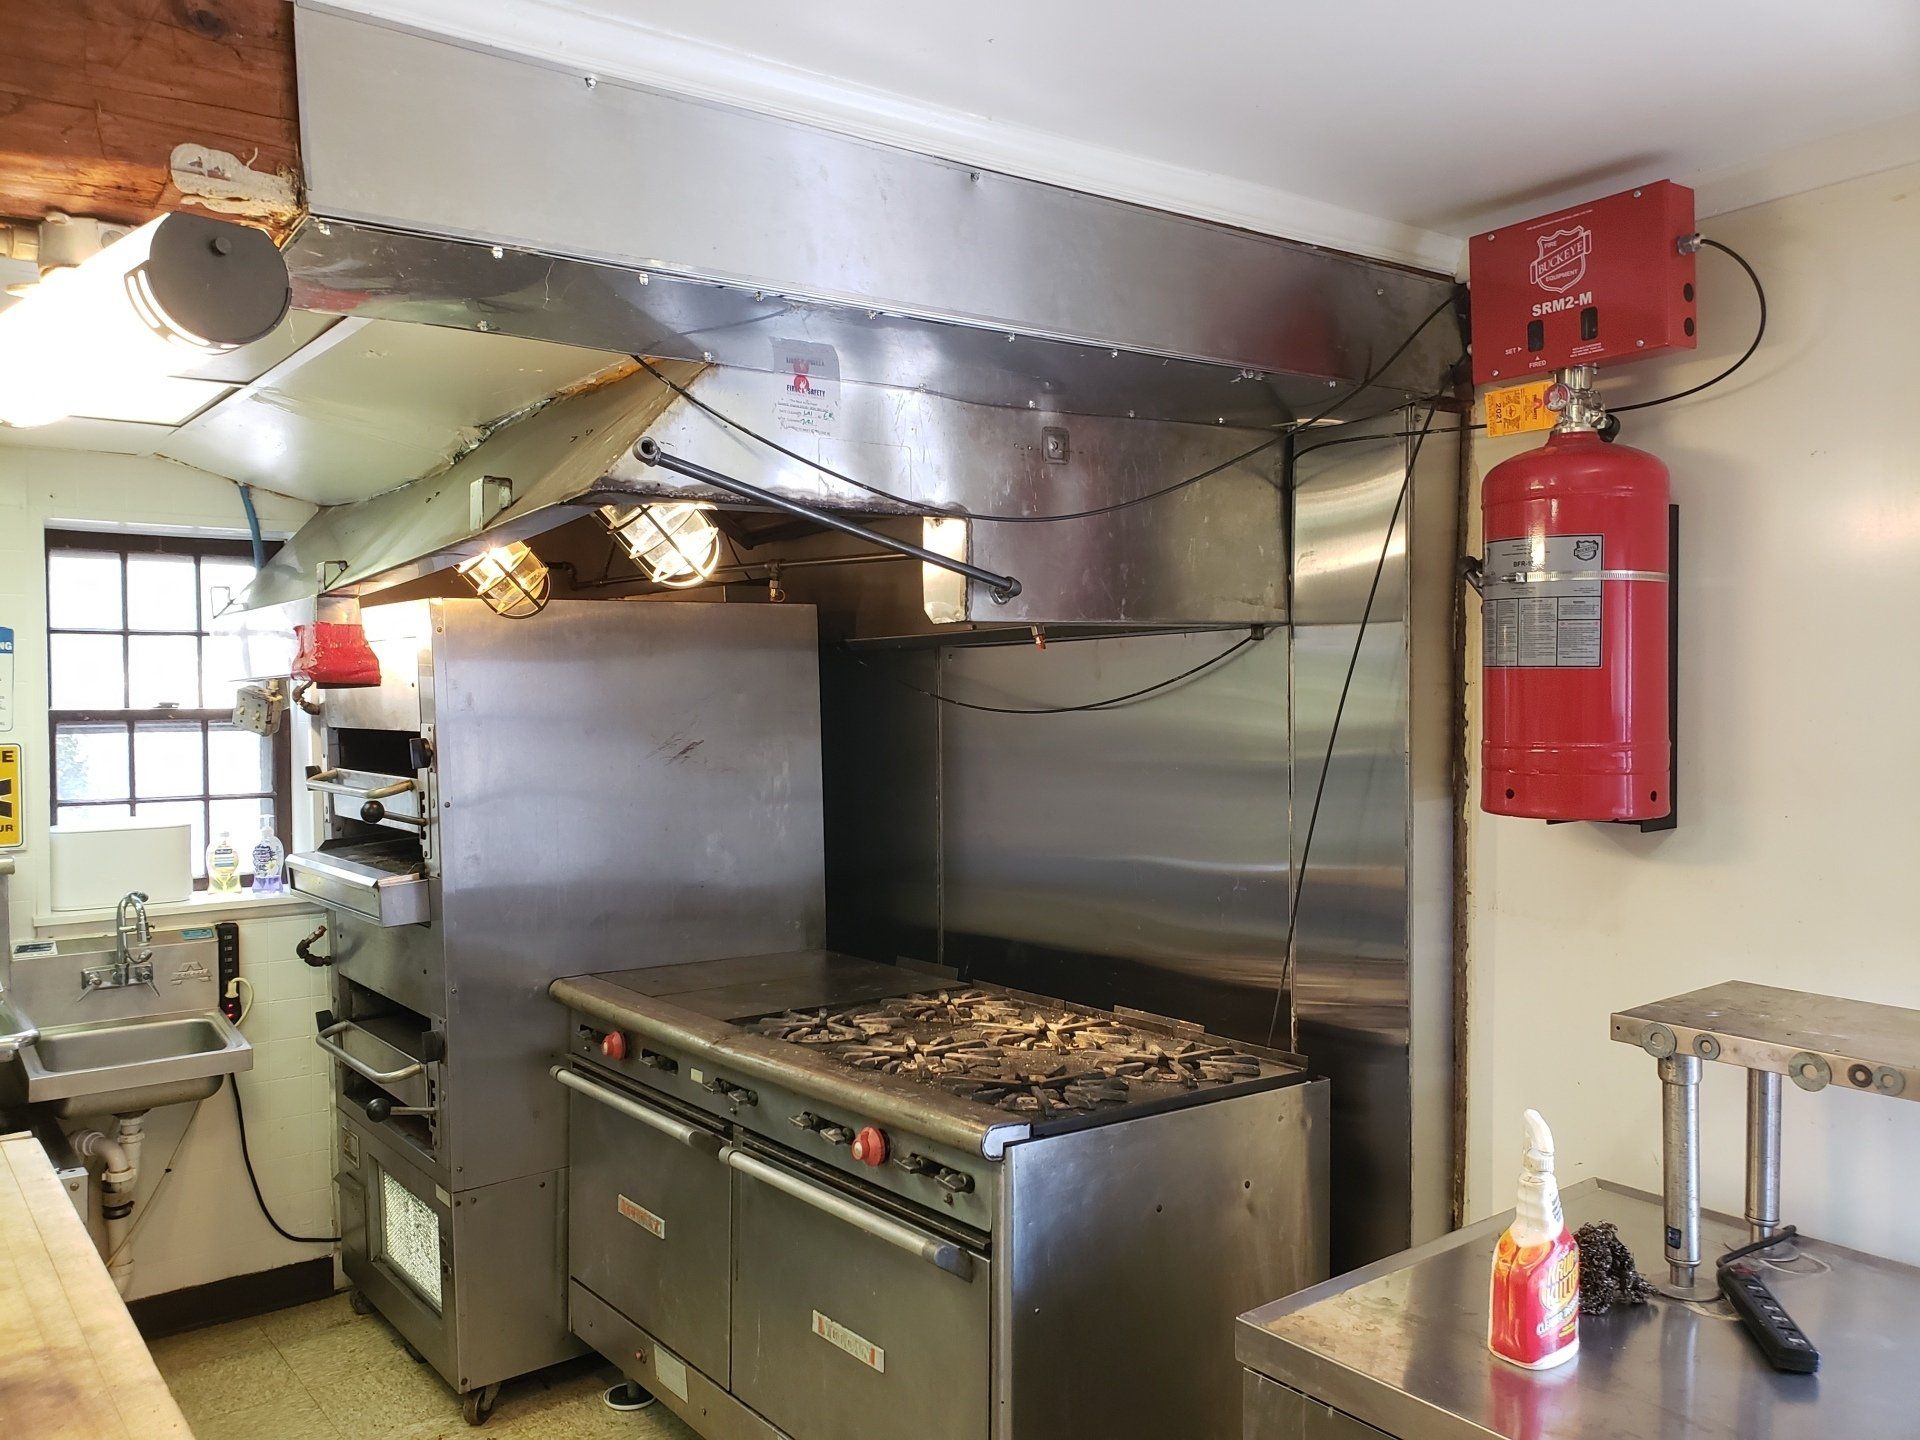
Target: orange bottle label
[(1535, 1310)]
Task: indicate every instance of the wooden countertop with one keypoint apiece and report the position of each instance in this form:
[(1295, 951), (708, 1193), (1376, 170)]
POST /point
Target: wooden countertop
[(71, 1362)]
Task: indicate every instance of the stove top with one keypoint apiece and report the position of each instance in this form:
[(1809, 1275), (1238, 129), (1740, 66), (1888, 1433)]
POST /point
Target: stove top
[(1025, 1056)]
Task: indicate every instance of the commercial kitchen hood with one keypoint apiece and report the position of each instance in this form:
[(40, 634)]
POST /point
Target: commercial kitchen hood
[(970, 324)]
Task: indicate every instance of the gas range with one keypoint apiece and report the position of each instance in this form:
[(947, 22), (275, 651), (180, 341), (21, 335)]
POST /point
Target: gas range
[(1015, 1053), (822, 1197)]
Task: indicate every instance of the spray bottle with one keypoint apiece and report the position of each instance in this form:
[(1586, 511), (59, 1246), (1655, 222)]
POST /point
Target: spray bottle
[(1534, 1317)]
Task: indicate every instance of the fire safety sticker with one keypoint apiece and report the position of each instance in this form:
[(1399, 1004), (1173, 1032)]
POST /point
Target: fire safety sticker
[(643, 1217), (1543, 601), (858, 1346), (12, 800), (808, 375)]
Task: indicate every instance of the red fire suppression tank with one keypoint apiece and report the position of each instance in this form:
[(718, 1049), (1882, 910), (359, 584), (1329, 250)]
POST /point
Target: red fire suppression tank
[(1575, 659)]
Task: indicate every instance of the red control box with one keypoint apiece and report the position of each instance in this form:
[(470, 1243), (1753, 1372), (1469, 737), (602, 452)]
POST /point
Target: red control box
[(1593, 284)]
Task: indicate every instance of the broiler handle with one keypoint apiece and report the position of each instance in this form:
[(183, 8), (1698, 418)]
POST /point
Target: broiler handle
[(360, 1067)]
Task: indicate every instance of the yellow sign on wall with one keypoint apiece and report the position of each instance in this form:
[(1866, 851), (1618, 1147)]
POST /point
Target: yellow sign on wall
[(1519, 408), (12, 825)]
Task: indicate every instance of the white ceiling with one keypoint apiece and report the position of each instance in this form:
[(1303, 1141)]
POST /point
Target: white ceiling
[(1434, 118), (330, 410)]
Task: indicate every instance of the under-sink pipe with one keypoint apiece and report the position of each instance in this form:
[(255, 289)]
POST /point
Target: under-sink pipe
[(119, 1181)]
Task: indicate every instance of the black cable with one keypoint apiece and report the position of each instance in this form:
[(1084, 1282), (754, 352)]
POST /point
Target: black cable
[(1208, 473), (1143, 692), (1759, 293), (246, 1156), (1333, 734)]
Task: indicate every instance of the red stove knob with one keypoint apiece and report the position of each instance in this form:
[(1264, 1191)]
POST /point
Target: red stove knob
[(870, 1146), (613, 1045)]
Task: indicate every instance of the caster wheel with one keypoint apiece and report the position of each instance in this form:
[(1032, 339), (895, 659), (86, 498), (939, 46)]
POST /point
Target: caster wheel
[(359, 1303), (628, 1396), (477, 1405)]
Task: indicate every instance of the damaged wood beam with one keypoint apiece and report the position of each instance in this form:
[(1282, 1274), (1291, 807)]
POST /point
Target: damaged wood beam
[(126, 109)]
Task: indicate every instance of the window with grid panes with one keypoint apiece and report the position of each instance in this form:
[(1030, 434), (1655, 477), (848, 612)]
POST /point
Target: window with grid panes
[(141, 686)]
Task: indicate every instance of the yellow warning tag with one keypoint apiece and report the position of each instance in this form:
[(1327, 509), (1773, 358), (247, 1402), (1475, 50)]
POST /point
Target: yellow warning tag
[(1519, 408), (11, 800)]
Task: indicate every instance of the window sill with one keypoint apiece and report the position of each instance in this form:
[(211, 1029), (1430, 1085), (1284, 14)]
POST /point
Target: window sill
[(203, 907)]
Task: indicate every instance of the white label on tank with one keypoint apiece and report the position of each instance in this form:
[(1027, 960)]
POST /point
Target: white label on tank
[(671, 1371), (858, 1346), (643, 1217), (1541, 603)]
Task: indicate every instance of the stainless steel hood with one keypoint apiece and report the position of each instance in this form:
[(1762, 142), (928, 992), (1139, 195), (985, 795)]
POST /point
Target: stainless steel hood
[(1211, 554), (964, 318), (533, 200)]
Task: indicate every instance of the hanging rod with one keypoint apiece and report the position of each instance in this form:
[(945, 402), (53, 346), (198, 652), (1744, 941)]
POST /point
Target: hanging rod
[(1002, 587)]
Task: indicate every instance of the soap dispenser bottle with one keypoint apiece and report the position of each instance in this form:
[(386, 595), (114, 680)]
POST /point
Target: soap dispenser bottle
[(269, 860), (223, 866)]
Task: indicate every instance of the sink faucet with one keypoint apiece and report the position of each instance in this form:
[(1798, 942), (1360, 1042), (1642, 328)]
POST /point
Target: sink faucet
[(132, 963)]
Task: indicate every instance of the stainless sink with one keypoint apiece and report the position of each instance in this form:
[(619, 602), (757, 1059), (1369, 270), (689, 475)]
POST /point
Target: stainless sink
[(117, 1067)]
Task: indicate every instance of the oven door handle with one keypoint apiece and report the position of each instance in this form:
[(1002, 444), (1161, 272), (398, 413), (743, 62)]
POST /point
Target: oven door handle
[(930, 1248), (692, 1136), (360, 1067)]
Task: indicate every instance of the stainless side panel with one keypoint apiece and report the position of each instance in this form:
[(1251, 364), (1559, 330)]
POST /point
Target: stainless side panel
[(1273, 1412), (650, 1231), (798, 1270), (620, 785), (1136, 856), (515, 151), (1202, 1209), (510, 1244), (1358, 980)]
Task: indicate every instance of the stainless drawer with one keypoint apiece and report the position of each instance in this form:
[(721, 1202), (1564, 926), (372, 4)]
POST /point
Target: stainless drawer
[(382, 897), (842, 1332), (651, 1220)]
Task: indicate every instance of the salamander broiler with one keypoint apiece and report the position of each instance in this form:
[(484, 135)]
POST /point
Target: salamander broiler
[(471, 856), (819, 1197)]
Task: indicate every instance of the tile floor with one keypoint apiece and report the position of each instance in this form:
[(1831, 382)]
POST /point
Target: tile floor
[(320, 1372)]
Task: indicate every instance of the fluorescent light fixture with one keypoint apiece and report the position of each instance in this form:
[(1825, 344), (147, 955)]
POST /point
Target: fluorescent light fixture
[(156, 303), (674, 544), (510, 579), (152, 399)]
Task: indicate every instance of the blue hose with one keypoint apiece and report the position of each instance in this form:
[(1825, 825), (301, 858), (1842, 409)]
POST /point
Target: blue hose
[(253, 527)]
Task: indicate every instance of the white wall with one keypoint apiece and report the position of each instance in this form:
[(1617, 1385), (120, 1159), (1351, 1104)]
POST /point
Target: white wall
[(205, 1225), (1797, 857)]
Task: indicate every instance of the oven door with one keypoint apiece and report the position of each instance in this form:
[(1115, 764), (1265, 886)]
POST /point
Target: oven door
[(650, 1217), (850, 1323)]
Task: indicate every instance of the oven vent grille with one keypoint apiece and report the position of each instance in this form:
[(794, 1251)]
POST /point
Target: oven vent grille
[(410, 1237)]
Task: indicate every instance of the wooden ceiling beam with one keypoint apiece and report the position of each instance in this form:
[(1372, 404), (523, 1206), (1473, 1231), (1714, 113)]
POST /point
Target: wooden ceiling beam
[(97, 97)]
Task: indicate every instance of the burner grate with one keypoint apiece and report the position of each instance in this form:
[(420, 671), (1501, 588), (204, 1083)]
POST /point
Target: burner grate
[(1022, 1056)]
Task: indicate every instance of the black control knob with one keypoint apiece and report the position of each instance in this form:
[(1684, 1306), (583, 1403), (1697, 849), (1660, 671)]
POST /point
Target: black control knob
[(378, 1109)]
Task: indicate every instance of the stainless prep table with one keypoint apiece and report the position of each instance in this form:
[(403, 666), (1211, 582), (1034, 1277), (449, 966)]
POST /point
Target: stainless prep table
[(1399, 1349)]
